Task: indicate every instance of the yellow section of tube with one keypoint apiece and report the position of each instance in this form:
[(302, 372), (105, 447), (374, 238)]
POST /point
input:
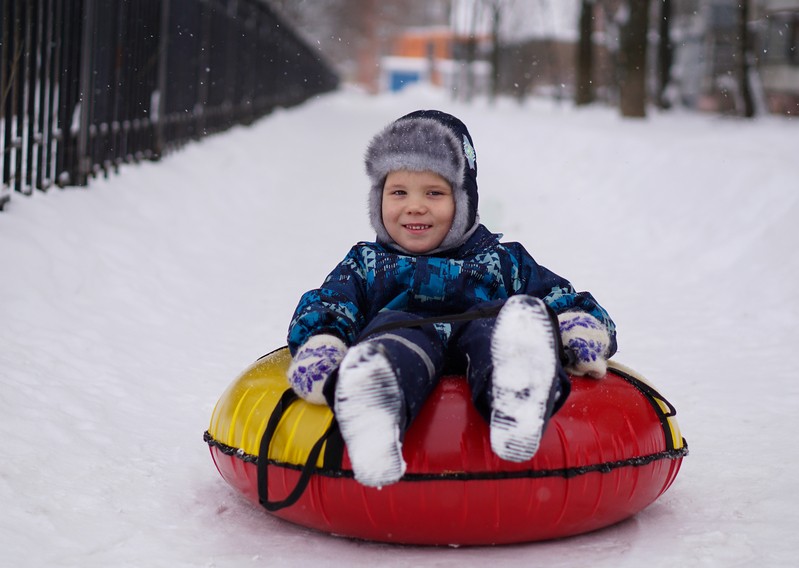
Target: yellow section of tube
[(243, 411)]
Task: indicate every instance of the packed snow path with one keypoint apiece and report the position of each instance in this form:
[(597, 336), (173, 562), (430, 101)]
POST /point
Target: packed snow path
[(127, 308)]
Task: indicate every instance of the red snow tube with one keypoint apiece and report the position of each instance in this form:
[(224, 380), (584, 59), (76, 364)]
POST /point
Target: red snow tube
[(611, 450)]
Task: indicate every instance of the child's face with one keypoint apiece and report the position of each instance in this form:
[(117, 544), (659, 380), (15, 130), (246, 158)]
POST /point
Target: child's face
[(418, 208)]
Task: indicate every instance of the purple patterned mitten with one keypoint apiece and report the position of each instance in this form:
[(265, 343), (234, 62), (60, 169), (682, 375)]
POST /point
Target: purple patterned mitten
[(588, 340), (313, 364)]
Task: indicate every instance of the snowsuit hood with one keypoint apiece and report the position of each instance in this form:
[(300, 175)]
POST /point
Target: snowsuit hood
[(426, 140)]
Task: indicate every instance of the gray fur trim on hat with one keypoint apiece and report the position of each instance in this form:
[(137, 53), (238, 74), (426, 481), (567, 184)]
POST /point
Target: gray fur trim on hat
[(418, 144)]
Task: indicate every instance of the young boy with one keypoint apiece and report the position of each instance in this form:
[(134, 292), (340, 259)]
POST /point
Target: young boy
[(438, 289)]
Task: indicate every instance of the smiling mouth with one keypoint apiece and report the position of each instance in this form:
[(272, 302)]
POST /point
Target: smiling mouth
[(417, 227)]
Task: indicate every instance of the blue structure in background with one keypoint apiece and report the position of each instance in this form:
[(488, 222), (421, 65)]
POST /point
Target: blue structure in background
[(399, 79)]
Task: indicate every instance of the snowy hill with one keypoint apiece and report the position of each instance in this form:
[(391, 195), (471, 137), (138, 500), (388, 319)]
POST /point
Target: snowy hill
[(127, 308)]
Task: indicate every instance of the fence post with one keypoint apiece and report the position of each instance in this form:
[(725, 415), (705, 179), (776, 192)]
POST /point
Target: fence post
[(35, 57), (44, 118), (54, 130), (86, 96), (18, 92), (68, 93), (159, 116), (203, 69), (6, 72)]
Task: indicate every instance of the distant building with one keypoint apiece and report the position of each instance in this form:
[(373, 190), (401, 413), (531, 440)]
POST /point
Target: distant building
[(456, 56), (707, 58), (417, 55), (538, 43), (708, 62), (778, 54), (433, 56)]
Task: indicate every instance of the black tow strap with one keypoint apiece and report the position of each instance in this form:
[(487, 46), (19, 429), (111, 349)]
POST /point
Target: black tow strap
[(288, 398), (473, 314), (567, 356)]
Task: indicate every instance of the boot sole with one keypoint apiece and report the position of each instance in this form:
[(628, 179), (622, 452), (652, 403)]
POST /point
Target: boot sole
[(523, 356), (367, 407)]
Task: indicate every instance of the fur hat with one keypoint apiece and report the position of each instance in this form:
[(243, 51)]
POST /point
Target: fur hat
[(426, 140)]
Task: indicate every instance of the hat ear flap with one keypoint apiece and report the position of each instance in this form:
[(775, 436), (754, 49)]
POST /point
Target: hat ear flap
[(376, 212)]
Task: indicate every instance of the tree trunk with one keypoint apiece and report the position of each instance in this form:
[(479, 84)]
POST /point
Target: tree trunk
[(748, 109), (632, 88), (466, 81), (665, 53), (585, 65), (495, 21), (468, 68)]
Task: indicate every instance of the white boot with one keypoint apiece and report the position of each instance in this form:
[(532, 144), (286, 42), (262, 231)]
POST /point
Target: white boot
[(368, 406), (525, 367)]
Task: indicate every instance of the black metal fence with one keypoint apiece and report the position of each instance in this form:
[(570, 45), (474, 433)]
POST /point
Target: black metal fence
[(86, 85)]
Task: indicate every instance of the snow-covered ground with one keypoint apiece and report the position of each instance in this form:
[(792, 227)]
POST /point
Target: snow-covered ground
[(128, 307)]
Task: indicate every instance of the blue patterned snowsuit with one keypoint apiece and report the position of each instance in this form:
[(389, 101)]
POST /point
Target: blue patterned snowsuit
[(374, 285)]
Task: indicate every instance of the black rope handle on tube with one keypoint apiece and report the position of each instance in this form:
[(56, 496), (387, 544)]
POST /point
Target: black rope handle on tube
[(288, 398)]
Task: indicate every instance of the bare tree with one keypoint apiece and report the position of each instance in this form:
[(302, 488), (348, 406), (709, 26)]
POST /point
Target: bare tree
[(496, 8), (632, 58), (465, 48), (665, 54), (584, 92), (745, 57)]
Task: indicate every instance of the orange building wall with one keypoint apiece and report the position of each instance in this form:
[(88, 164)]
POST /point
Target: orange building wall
[(437, 44)]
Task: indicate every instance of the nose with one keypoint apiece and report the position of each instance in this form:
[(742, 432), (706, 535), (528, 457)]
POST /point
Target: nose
[(416, 206)]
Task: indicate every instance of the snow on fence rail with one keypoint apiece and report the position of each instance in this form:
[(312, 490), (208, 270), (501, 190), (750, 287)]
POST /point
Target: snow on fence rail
[(86, 85)]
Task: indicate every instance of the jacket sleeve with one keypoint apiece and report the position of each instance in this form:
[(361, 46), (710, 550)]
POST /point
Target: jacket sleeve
[(558, 293), (335, 308)]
